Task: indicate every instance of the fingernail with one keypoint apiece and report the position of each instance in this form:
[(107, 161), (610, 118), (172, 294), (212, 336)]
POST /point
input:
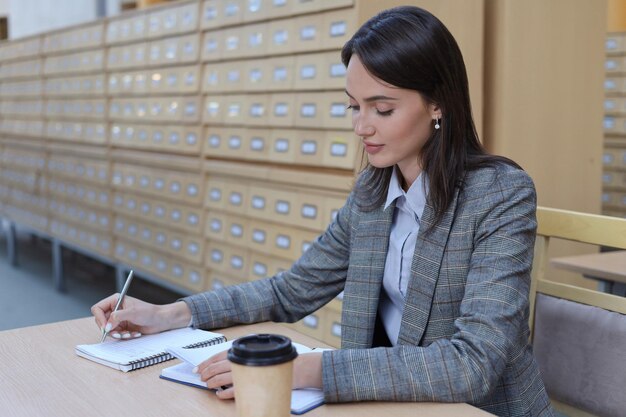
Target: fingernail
[(126, 336), (116, 335), (108, 327), (195, 370)]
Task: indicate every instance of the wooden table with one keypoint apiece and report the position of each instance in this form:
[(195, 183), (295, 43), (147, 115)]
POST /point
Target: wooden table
[(609, 268), (40, 375)]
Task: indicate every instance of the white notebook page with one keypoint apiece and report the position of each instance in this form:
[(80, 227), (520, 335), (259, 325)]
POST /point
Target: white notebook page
[(128, 350)]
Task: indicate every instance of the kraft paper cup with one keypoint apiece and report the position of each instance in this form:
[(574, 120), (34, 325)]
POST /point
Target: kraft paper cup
[(262, 367)]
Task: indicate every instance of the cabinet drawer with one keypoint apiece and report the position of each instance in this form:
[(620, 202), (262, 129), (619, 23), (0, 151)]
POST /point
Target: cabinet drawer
[(281, 110), (282, 38), (223, 13), (262, 265), (176, 216), (308, 33), (212, 45), (228, 259), (338, 28), (227, 77)]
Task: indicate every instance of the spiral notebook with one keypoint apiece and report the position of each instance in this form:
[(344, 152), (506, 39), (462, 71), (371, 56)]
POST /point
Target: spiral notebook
[(130, 354)]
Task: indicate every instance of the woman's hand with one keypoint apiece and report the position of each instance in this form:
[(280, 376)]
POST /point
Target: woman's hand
[(136, 317), (216, 372)]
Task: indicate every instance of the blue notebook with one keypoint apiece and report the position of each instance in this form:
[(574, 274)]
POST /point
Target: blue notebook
[(302, 400)]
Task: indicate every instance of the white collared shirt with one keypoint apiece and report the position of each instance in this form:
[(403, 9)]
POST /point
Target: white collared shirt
[(402, 239)]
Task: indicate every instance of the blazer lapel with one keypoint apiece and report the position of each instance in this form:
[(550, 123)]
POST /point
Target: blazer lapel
[(427, 259), (367, 266)]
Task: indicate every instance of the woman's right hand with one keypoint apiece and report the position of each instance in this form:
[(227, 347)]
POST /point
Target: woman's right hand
[(136, 317)]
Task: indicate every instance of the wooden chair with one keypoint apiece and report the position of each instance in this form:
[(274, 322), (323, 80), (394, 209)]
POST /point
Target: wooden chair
[(578, 334)]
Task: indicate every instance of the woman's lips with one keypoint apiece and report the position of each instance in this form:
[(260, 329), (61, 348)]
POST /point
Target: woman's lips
[(372, 148)]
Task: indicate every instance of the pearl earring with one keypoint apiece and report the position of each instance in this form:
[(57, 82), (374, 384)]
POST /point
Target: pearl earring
[(437, 125)]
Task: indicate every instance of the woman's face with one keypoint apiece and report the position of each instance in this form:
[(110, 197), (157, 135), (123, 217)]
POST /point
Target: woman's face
[(393, 123)]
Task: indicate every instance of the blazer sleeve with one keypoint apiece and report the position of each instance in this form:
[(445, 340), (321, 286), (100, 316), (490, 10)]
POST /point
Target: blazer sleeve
[(312, 281), (490, 329)]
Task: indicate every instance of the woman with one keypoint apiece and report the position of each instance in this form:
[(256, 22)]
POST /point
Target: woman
[(432, 249)]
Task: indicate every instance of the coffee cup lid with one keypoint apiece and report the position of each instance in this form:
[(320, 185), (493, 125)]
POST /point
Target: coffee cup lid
[(262, 350)]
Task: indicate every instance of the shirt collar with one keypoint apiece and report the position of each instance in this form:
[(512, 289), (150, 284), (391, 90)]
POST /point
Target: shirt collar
[(415, 197)]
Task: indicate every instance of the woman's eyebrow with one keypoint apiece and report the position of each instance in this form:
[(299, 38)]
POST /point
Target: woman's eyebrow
[(373, 98)]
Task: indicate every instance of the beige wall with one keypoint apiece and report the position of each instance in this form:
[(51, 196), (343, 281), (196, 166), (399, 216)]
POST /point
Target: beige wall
[(544, 73), (544, 94), (616, 16)]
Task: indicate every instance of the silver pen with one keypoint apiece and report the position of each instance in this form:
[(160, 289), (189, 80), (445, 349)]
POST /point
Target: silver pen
[(129, 278)]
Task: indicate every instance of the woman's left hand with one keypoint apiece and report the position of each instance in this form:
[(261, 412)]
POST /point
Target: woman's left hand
[(216, 372)]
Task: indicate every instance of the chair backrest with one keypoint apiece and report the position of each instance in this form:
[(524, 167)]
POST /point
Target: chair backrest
[(579, 334)]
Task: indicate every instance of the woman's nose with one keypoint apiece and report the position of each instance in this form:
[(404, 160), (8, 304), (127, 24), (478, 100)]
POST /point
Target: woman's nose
[(362, 128)]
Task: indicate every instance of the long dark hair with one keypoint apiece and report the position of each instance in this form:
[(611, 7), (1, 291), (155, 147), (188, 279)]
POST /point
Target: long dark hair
[(410, 48)]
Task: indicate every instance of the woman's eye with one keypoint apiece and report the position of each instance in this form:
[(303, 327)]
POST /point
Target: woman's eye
[(353, 107), (384, 113)]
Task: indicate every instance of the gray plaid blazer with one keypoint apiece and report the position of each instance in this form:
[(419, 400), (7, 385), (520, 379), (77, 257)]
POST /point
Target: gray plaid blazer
[(464, 331)]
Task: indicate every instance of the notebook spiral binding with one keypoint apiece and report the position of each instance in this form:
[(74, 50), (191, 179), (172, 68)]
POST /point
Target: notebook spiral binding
[(163, 357), (204, 343), (150, 360)]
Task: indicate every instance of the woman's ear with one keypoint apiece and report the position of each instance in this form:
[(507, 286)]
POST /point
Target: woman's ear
[(435, 111)]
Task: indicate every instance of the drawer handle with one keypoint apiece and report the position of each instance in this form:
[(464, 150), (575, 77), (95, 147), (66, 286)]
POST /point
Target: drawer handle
[(234, 110), (309, 211), (281, 109), (194, 277), (260, 269), (337, 70), (217, 255), (280, 74), (258, 236), (283, 242), (307, 72), (214, 141), (257, 110), (234, 142), (232, 43), (215, 194), (257, 144), (258, 202), (338, 149), (281, 37), (233, 76), (281, 145), (236, 230), (308, 110), (255, 75), (191, 139), (307, 33), (311, 321), (193, 248), (338, 29), (236, 262), (305, 246), (193, 219), (235, 199), (216, 225), (335, 329), (282, 207), (308, 147), (337, 110)]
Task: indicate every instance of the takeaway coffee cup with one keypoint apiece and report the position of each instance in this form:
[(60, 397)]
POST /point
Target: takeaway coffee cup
[(262, 366)]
